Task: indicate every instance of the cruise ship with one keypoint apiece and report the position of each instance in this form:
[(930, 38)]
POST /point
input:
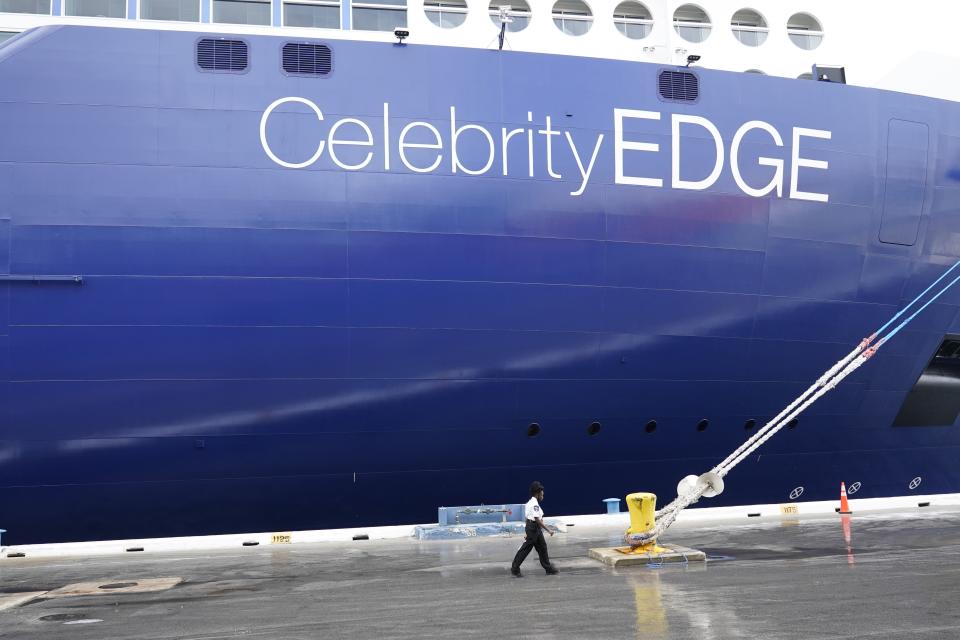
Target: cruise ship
[(272, 265)]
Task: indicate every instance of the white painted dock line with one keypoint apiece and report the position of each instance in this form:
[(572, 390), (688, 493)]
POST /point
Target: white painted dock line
[(905, 505), (11, 600)]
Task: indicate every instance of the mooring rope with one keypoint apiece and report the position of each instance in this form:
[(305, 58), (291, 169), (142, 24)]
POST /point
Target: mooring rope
[(824, 384)]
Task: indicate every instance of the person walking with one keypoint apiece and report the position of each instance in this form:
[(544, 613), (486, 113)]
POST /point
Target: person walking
[(534, 534)]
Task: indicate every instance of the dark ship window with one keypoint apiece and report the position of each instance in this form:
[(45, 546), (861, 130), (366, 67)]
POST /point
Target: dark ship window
[(533, 430), (594, 428), (702, 425), (220, 54), (304, 58), (651, 426), (934, 400), (682, 86)]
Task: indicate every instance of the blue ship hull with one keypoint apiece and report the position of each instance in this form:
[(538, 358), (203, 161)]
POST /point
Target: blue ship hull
[(255, 347)]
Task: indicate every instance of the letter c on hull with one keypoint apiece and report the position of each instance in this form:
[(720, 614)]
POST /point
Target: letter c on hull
[(263, 133)]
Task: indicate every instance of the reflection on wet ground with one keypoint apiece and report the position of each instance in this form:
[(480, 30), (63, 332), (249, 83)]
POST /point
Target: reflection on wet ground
[(880, 576)]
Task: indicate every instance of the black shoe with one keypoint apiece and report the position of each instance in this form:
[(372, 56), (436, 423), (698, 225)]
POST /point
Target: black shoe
[(552, 571), (516, 573)]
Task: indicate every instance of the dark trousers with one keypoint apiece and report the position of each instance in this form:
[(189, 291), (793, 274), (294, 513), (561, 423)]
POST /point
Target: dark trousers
[(534, 540)]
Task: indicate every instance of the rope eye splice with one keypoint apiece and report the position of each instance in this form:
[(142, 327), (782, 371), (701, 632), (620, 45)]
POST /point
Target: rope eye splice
[(644, 530)]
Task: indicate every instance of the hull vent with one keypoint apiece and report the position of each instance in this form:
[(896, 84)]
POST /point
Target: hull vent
[(307, 59), (222, 55), (679, 85)]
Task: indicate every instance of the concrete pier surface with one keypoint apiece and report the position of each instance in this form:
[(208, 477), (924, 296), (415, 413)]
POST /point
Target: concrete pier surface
[(890, 575)]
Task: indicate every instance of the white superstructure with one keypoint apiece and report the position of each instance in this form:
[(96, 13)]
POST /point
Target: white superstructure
[(904, 47)]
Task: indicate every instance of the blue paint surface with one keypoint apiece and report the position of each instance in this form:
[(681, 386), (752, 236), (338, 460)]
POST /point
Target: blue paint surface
[(260, 348)]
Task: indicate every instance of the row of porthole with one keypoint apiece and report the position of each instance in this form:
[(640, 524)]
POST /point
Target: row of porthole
[(632, 18), (856, 486), (534, 429)]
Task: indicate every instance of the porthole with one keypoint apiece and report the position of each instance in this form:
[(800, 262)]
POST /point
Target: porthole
[(691, 23), (651, 426), (633, 20), (594, 428), (750, 424), (749, 27), (518, 15), (446, 14), (805, 31), (533, 430), (793, 424), (702, 425), (573, 17)]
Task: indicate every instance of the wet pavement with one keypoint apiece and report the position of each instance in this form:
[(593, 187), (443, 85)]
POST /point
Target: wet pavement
[(878, 576)]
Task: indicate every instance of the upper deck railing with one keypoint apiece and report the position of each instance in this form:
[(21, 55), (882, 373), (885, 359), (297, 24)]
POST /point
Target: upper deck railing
[(776, 37)]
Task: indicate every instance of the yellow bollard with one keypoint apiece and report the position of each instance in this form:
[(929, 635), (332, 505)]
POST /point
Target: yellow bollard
[(642, 508)]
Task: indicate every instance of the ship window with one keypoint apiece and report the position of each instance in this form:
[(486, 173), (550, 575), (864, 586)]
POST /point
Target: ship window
[(305, 58), (177, 10), (25, 6), (241, 11), (805, 31), (749, 27), (692, 23), (805, 76), (594, 428), (222, 55), (633, 20), (519, 14), (702, 425), (381, 15), (934, 400), (533, 430), (573, 17), (651, 426), (757, 71), (96, 8), (446, 14), (311, 13), (749, 424)]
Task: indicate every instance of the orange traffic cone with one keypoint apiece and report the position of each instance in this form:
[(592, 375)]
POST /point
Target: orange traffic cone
[(844, 505)]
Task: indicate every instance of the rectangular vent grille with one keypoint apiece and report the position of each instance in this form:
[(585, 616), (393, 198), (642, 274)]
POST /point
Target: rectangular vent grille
[(679, 85), (222, 55), (307, 59)]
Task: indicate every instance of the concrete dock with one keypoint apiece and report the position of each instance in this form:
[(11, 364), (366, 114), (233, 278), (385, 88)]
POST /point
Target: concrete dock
[(798, 579)]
